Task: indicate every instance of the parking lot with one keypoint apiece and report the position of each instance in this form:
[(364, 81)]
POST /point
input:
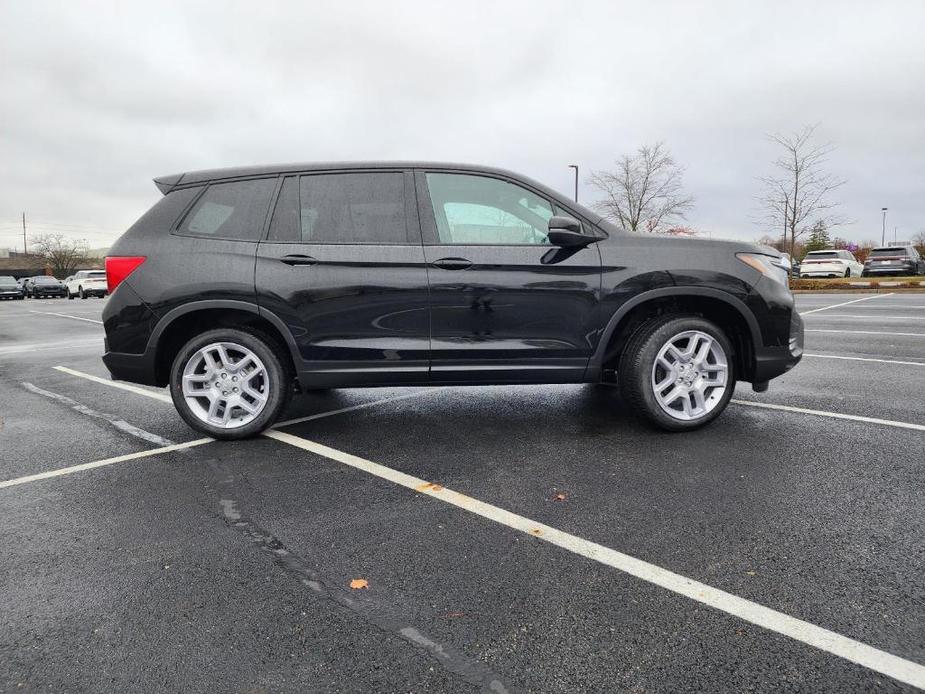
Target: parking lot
[(510, 539)]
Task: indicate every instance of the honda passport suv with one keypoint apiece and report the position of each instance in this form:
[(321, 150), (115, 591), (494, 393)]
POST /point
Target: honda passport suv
[(242, 286)]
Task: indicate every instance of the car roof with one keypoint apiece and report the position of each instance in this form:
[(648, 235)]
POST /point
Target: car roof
[(189, 178)]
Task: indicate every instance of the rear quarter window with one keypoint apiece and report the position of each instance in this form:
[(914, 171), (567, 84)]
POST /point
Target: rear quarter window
[(165, 212), (234, 210)]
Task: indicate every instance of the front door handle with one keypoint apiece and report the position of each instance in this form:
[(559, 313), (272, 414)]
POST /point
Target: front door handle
[(452, 263), (297, 259)]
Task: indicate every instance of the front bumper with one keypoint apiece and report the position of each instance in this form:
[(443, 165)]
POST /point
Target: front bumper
[(8, 293), (771, 362), (56, 292)]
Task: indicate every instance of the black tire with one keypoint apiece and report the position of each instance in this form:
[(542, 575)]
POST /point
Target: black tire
[(848, 272), (70, 296), (637, 361), (277, 371), (80, 293)]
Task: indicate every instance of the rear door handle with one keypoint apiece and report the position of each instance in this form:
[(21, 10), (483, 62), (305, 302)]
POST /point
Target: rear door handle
[(297, 259), (452, 263)]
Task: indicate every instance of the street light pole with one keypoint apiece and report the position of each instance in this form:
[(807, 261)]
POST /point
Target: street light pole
[(575, 166), (883, 231)]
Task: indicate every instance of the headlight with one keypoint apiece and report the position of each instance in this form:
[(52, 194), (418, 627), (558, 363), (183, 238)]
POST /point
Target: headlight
[(772, 267)]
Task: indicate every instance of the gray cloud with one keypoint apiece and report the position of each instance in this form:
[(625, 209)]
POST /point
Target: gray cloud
[(100, 98)]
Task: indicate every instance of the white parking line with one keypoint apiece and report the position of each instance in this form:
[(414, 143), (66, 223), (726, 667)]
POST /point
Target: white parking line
[(45, 346), (845, 303), (101, 463), (163, 397), (860, 653), (869, 316), (64, 315), (862, 332), (833, 415), (882, 361)]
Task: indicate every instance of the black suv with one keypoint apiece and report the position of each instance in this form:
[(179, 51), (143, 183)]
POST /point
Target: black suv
[(894, 260), (243, 285)]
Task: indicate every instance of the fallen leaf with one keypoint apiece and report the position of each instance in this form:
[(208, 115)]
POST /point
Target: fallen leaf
[(429, 487), (559, 497), (536, 531), (751, 573), (359, 583)]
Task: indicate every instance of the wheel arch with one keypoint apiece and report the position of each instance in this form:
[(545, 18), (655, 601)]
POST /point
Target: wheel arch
[(183, 322), (726, 310)]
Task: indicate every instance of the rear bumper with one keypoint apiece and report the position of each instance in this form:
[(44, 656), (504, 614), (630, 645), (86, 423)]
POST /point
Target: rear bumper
[(890, 270), (771, 362), (135, 368)]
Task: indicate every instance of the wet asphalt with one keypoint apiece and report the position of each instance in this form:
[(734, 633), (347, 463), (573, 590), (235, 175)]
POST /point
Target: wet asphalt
[(227, 566)]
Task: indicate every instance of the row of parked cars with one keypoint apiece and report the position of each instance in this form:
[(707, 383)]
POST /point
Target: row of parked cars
[(885, 260), (83, 284)]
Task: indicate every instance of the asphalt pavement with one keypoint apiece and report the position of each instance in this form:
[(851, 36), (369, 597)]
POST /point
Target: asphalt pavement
[(519, 539)]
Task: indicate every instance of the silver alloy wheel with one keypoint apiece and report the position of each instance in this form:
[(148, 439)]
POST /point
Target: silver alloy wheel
[(690, 375), (225, 385)]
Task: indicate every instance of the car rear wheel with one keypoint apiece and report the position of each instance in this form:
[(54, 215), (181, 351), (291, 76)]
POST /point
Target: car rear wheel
[(848, 272), (676, 372), (230, 383)]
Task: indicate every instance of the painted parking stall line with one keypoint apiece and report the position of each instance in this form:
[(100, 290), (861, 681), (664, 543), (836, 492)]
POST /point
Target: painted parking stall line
[(868, 359), (102, 463), (833, 415), (863, 332), (845, 303), (805, 632), (65, 315), (163, 397)]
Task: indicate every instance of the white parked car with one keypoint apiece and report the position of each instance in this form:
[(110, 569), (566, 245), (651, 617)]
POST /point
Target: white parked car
[(86, 283), (830, 263)]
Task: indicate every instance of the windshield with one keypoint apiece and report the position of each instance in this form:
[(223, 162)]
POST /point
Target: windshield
[(6, 279), (881, 252), (45, 280), (816, 255)]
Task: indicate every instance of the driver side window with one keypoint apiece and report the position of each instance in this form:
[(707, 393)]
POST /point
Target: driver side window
[(477, 210)]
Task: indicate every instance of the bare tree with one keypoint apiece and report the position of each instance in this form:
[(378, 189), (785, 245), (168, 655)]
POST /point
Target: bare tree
[(801, 192), (63, 254), (644, 190)]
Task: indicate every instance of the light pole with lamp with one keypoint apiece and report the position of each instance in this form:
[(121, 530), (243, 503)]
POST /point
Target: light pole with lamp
[(883, 231), (575, 166)]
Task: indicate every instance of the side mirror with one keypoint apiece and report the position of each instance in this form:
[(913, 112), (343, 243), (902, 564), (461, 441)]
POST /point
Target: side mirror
[(565, 232)]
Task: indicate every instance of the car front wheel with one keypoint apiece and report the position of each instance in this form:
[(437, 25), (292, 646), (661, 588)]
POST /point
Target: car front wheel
[(230, 383), (676, 372)]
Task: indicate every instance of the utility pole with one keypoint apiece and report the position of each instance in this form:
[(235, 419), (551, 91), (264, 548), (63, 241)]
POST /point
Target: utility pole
[(575, 166), (25, 249), (894, 235), (883, 230)]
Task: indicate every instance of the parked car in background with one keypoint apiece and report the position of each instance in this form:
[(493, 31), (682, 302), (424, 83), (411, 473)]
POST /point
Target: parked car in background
[(894, 260), (43, 286), (9, 288), (86, 283), (830, 263), (240, 284)]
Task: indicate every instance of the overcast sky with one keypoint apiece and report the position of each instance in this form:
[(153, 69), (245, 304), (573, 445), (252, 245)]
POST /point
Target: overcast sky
[(98, 98)]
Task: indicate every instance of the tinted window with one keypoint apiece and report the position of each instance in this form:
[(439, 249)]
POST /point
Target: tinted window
[(45, 280), (230, 210), (881, 252), (819, 255), (285, 223), (480, 210), (343, 208)]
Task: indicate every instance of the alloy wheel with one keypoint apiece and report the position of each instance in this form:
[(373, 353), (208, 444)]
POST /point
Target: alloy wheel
[(690, 375), (225, 385)]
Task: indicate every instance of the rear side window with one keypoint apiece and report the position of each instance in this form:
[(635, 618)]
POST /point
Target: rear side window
[(345, 208), (235, 210)]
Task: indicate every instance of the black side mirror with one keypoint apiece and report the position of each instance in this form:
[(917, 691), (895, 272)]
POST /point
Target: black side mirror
[(565, 232)]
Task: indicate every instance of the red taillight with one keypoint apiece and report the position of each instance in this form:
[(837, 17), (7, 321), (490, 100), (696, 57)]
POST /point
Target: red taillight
[(120, 267)]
